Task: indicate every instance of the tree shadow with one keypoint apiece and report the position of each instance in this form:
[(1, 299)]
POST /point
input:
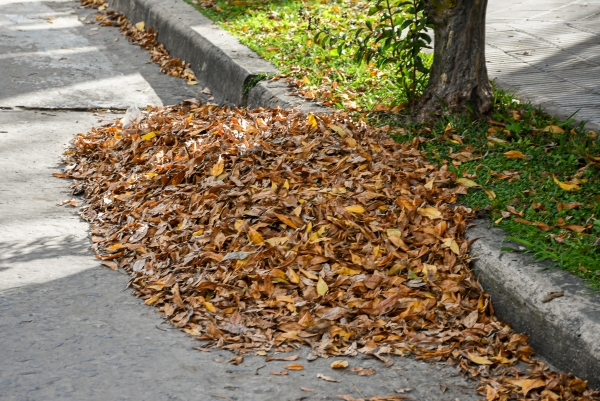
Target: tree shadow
[(39, 249)]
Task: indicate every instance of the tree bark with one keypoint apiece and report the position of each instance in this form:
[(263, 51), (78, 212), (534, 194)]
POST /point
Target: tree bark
[(458, 79)]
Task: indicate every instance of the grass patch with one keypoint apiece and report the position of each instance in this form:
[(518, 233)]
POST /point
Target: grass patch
[(523, 195), (523, 161), (278, 31)]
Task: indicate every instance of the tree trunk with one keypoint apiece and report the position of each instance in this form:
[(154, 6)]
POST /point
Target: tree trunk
[(459, 79)]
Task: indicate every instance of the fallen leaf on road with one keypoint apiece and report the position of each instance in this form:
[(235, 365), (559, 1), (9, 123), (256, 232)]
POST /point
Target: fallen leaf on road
[(553, 295), (362, 371), (480, 360), (282, 358), (340, 364), (282, 373), (326, 378)]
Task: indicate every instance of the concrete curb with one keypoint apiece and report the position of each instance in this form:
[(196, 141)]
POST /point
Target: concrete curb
[(219, 60), (565, 331)]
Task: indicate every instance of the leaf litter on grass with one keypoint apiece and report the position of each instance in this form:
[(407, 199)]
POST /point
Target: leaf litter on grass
[(264, 229)]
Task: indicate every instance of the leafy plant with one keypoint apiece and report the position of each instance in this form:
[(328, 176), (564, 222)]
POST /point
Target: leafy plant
[(396, 33)]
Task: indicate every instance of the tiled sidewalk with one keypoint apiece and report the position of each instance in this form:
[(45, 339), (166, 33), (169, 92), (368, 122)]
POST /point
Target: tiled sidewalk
[(549, 52)]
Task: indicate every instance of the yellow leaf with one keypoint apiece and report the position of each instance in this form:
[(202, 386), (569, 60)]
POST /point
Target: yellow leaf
[(198, 233), (115, 247), (514, 154), (140, 25), (480, 360), (322, 287), (308, 227), (152, 300), (351, 142), (430, 212), (554, 129), (286, 184), (355, 209), (394, 232), (151, 175), (255, 237), (277, 240), (337, 129), (452, 244), (286, 220), (467, 183), (491, 194), (565, 186), (529, 384), (218, 168), (210, 307), (238, 225), (297, 212), (344, 271), (312, 121), (293, 276), (149, 136), (398, 267), (309, 274), (341, 364)]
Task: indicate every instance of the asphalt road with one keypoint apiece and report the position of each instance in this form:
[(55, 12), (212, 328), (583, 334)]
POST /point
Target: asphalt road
[(68, 327)]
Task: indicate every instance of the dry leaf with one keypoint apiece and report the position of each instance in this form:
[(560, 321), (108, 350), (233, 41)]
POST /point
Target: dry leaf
[(430, 212), (194, 243), (355, 209), (322, 287), (565, 186), (553, 295), (467, 183), (283, 358), (339, 364), (514, 154), (480, 360), (554, 129), (363, 371), (218, 168), (326, 378)]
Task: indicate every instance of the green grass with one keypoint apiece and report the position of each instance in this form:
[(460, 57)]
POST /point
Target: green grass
[(528, 185), (277, 31)]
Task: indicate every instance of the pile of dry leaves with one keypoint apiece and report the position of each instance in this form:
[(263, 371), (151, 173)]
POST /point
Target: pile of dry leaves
[(267, 229), (145, 38)]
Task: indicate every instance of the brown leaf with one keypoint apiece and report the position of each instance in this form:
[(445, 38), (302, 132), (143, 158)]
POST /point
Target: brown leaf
[(282, 373), (326, 378), (362, 371), (514, 154), (339, 364), (553, 295), (282, 358)]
